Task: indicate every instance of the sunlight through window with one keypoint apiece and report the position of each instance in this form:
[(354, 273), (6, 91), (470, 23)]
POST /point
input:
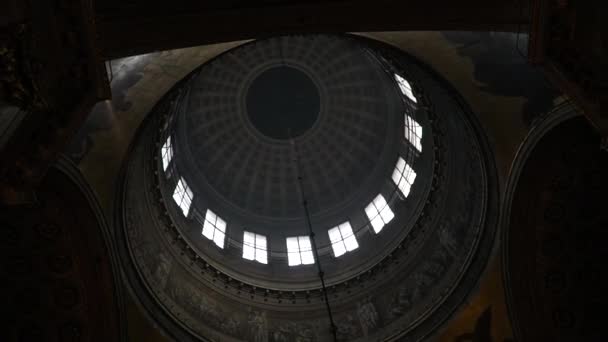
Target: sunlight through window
[(404, 176), (406, 88), (342, 239), (379, 213), (214, 228), (254, 247), (299, 251), (182, 195)]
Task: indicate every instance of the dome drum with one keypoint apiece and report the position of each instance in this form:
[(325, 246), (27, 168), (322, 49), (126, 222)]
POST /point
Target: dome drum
[(415, 144)]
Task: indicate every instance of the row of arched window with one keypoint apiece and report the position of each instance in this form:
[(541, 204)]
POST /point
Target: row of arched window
[(299, 248)]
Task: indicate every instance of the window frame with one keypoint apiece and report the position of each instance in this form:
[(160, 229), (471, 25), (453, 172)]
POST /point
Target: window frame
[(166, 153), (413, 132), (339, 235), (379, 213), (300, 251), (403, 176), (212, 226), (405, 87), (255, 248), (183, 194)]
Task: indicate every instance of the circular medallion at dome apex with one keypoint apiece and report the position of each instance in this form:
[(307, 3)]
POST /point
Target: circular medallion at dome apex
[(339, 103), (283, 102)]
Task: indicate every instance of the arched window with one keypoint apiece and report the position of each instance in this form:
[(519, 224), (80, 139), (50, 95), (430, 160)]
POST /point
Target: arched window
[(214, 228), (299, 251), (182, 195), (403, 176), (254, 247), (405, 88), (166, 153), (342, 239), (379, 213), (413, 132)]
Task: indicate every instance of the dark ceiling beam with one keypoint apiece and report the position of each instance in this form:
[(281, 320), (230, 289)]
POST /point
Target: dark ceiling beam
[(52, 74), (569, 41), (139, 27)]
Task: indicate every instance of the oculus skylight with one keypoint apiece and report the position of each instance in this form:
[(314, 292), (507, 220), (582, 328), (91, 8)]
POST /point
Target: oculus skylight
[(299, 251), (379, 213), (342, 239), (254, 247), (214, 228)]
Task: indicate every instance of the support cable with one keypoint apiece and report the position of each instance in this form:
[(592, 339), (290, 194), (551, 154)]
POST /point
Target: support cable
[(312, 237)]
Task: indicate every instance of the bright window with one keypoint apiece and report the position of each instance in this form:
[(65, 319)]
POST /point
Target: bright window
[(166, 152), (405, 87), (254, 247), (342, 239), (214, 228), (404, 176), (299, 251), (413, 132), (379, 213), (182, 195)]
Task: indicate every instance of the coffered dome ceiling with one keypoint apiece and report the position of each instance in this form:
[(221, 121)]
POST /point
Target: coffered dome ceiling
[(331, 95), (394, 170)]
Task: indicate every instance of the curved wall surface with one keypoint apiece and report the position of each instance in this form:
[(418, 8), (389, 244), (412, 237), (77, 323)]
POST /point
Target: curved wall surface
[(60, 274), (554, 231)]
